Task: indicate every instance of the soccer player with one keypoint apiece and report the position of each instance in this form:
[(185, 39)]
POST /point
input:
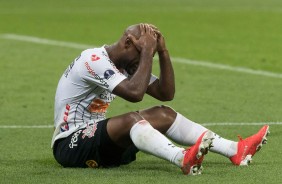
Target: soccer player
[(84, 137)]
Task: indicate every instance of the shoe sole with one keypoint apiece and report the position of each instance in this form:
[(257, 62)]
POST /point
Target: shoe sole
[(264, 139), (248, 158), (204, 147)]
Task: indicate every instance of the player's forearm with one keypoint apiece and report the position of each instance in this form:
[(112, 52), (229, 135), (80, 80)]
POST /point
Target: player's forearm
[(166, 79), (140, 79)]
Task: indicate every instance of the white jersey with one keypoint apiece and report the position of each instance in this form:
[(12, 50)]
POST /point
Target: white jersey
[(84, 91)]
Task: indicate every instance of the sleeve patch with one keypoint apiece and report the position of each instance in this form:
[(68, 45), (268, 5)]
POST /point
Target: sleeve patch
[(109, 74)]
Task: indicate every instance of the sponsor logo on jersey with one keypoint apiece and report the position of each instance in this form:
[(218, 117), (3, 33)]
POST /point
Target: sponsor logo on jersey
[(89, 131), (98, 106), (94, 57), (107, 96), (91, 163), (108, 74), (91, 72), (74, 139)]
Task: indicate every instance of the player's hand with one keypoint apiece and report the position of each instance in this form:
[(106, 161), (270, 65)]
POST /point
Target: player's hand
[(160, 39), (147, 40)]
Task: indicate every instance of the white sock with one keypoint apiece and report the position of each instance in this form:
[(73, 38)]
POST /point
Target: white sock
[(148, 139), (223, 146), (186, 132)]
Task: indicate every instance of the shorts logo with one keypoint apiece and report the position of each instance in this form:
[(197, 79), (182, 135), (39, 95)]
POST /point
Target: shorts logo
[(74, 139), (91, 163), (89, 131), (108, 74), (94, 57)]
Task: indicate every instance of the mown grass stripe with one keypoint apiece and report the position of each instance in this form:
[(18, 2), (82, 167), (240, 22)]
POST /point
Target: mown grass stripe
[(206, 64)]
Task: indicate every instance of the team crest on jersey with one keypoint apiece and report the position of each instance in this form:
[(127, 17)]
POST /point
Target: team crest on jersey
[(94, 57), (89, 131), (108, 74)]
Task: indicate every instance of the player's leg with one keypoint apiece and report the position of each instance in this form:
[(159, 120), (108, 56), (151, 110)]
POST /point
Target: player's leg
[(131, 127), (185, 132)]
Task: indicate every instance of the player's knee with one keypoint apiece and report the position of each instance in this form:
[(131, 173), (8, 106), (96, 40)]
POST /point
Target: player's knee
[(166, 112), (132, 118), (125, 122)]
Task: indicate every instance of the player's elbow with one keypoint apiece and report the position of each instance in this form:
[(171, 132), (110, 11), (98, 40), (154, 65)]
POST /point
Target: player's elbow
[(167, 97), (132, 96), (134, 99)]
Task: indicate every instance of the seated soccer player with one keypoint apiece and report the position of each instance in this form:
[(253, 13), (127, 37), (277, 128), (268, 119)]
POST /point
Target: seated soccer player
[(84, 137)]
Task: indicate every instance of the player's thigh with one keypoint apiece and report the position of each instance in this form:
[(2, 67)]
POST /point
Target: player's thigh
[(118, 128)]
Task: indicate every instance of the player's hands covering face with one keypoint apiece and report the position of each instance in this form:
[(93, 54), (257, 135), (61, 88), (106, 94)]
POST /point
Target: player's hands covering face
[(147, 40), (160, 39)]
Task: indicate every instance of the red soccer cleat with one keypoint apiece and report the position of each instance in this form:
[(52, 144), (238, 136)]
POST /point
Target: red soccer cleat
[(248, 147), (194, 156)]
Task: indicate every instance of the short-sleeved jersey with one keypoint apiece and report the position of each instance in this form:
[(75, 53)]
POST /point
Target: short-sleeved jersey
[(84, 91)]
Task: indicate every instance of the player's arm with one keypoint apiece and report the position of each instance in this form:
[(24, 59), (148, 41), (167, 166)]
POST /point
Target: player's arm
[(163, 88), (134, 88)]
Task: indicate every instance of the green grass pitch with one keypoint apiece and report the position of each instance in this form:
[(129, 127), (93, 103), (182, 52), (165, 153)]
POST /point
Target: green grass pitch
[(239, 33)]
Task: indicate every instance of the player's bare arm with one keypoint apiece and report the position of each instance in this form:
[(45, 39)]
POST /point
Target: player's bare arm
[(163, 88), (134, 88)]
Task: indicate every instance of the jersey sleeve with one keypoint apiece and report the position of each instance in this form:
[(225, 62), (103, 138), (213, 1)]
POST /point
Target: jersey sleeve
[(100, 70), (152, 79)]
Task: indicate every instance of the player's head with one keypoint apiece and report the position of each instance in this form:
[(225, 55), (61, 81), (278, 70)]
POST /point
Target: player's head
[(133, 30), (132, 54)]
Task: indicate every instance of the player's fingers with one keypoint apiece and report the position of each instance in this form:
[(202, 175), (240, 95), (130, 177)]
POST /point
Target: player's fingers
[(158, 32), (154, 29), (142, 29), (146, 28), (153, 26), (132, 38), (134, 42), (152, 32)]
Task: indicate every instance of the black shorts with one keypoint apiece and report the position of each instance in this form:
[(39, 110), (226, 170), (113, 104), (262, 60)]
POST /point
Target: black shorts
[(92, 147)]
